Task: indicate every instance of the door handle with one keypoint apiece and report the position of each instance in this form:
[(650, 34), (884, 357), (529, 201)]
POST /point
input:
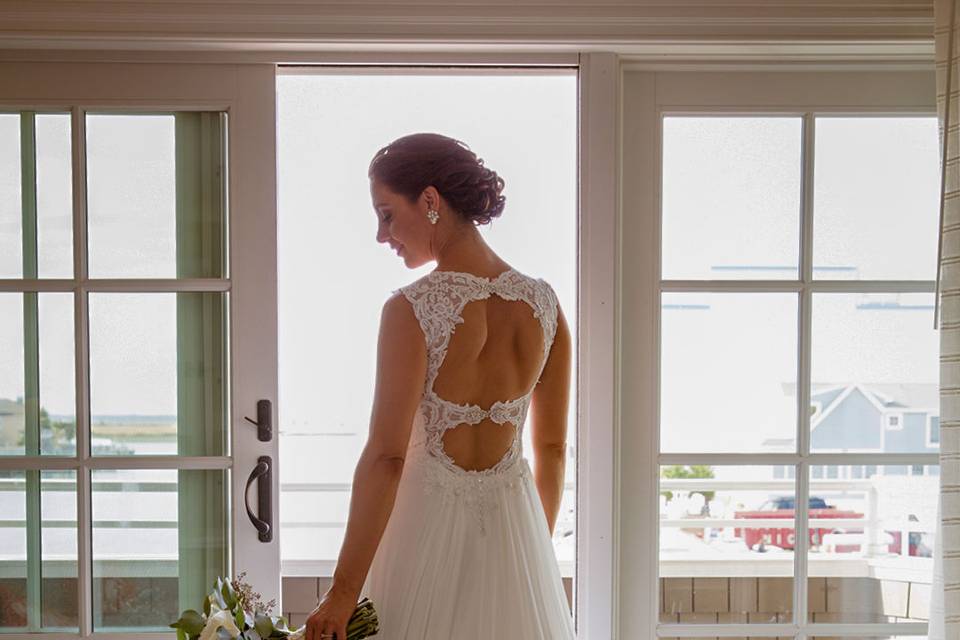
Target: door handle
[(263, 519)]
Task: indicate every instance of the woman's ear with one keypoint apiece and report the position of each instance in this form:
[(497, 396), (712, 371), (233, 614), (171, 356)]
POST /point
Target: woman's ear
[(431, 197)]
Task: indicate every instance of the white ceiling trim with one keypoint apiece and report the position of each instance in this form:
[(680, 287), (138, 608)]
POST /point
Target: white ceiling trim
[(622, 26)]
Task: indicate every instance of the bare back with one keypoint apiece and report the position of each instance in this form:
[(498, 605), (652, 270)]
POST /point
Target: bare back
[(487, 343)]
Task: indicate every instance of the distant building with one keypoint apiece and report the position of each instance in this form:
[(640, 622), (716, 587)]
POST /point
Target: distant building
[(868, 418)]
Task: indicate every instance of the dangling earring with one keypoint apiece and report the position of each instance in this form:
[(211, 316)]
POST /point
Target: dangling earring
[(433, 215)]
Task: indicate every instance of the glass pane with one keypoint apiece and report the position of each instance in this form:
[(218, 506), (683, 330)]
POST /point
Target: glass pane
[(727, 361), (731, 197), (726, 543), (12, 392), (38, 566), (159, 541), (36, 225), (11, 221), (875, 373), (58, 413), (37, 384), (157, 373), (876, 198), (54, 196), (156, 199), (59, 544), (873, 534), (318, 368)]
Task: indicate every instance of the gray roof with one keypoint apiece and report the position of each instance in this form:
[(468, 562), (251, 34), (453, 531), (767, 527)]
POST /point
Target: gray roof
[(907, 395)]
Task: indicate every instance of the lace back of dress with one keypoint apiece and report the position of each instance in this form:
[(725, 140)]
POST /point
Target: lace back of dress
[(438, 300)]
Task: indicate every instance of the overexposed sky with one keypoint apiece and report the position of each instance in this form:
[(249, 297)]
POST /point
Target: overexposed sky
[(333, 275)]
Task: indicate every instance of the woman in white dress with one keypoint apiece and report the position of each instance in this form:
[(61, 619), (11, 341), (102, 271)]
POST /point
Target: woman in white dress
[(449, 532)]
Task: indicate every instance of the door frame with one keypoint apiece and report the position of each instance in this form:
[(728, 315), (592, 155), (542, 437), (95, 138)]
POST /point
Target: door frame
[(651, 90)]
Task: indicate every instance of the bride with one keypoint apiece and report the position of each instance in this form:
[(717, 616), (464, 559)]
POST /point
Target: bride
[(449, 531)]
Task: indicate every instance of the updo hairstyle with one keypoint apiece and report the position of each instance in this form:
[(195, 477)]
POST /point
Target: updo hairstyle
[(410, 164)]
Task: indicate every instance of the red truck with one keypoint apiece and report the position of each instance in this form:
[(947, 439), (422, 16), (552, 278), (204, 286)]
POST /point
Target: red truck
[(782, 508)]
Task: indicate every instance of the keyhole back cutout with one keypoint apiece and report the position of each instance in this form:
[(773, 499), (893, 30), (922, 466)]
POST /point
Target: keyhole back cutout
[(494, 355)]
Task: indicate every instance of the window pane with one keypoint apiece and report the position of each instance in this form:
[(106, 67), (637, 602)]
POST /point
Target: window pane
[(875, 372), (11, 221), (58, 413), (726, 362), (42, 355), (38, 566), (329, 128), (159, 542), (12, 391), (157, 373), (873, 539), (54, 196), (731, 197), (876, 190), (36, 223), (155, 188), (726, 544)]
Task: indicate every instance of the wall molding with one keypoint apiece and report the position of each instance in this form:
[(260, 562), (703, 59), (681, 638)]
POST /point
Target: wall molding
[(629, 27)]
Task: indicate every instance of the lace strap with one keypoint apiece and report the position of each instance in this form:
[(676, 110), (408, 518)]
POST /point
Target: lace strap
[(548, 307), (438, 303)]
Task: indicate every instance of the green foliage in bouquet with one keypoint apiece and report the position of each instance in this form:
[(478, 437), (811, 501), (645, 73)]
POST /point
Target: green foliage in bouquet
[(234, 610)]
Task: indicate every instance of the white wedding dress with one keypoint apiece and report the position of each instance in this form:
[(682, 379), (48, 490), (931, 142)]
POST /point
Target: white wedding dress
[(466, 554)]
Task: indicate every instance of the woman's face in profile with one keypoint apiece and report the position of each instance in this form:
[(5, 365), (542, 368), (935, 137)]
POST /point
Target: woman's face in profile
[(400, 224)]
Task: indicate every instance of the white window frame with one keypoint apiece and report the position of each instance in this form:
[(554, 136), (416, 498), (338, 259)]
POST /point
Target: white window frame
[(929, 430), (887, 426), (651, 90), (617, 407)]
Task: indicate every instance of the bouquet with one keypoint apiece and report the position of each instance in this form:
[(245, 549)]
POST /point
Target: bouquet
[(234, 610)]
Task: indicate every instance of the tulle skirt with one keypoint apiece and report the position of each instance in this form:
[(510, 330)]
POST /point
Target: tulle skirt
[(465, 557)]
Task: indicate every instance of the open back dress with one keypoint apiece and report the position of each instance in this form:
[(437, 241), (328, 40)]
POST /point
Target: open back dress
[(467, 554)]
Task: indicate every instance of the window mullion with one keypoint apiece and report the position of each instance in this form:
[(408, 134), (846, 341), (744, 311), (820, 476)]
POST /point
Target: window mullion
[(804, 348), (82, 363), (31, 362)]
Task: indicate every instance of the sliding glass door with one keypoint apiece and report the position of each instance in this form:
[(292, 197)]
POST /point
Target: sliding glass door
[(134, 346)]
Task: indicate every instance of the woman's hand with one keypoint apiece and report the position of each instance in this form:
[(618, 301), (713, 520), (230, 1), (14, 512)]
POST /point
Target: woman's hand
[(331, 616)]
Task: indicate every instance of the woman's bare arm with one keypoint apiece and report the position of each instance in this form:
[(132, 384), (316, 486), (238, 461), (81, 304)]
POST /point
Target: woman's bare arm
[(548, 409), (401, 370)]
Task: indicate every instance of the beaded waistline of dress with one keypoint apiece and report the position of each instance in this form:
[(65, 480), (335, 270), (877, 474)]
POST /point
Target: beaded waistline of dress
[(476, 491)]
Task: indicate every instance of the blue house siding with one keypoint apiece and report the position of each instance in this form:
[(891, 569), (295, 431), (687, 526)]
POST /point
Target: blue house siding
[(857, 423), (853, 424), (912, 438)]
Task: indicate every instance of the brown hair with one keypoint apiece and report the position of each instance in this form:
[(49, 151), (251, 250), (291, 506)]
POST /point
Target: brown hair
[(410, 164)]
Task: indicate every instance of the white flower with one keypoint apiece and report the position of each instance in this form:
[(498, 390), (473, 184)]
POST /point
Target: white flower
[(219, 618)]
